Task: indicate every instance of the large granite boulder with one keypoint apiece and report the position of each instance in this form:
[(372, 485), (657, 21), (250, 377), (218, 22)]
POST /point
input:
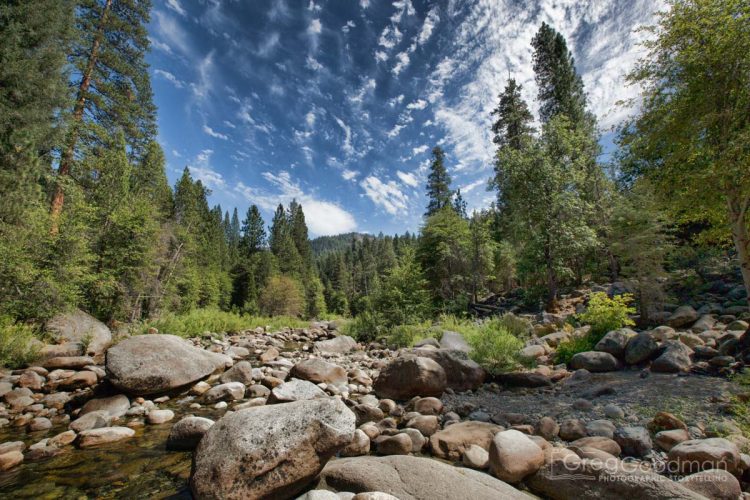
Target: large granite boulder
[(338, 345), (319, 371), (454, 341), (80, 328), (463, 373), (674, 358), (413, 478), (696, 455), (270, 451), (153, 364), (592, 479), (594, 361), (682, 316), (614, 342), (409, 376), (453, 441)]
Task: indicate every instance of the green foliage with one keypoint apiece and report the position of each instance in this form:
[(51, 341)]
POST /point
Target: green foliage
[(366, 327), (402, 298), (282, 296), (568, 348), (690, 138), (199, 321), (493, 344), (17, 343), (408, 335), (439, 192), (605, 314)]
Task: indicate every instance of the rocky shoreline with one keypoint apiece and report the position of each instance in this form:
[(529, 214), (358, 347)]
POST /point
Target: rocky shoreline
[(311, 412)]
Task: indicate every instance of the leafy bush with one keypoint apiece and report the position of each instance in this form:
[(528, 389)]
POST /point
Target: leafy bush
[(408, 335), (605, 314), (198, 321), (365, 327), (517, 326), (568, 348), (282, 296), (493, 345), (17, 346)]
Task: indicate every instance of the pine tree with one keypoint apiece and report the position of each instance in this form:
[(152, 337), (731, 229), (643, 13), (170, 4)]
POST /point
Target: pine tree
[(459, 204), (513, 125), (560, 86), (34, 38), (439, 192), (150, 180), (253, 232), (113, 89)]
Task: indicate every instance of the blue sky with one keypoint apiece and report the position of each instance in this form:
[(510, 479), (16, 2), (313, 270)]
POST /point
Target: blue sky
[(338, 103)]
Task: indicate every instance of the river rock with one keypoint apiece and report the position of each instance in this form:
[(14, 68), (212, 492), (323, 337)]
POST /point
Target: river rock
[(338, 345), (295, 390), (187, 433), (360, 445), (269, 451), (476, 457), (633, 441), (696, 455), (91, 420), (319, 372), (241, 372), (78, 327), (595, 480), (594, 361), (230, 391), (666, 440), (413, 478), (156, 363), (103, 435), (600, 443), (614, 342), (451, 443), (640, 348), (68, 362), (409, 376), (462, 373), (682, 316), (675, 358), (157, 417), (10, 459), (115, 406), (399, 444), (513, 456), (716, 484)]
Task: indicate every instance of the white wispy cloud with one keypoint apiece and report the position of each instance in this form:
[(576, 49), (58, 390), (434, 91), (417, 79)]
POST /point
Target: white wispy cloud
[(418, 104), (323, 217), (170, 77), (364, 3), (171, 33), (208, 130), (429, 26), (175, 6), (467, 188), (420, 149), (348, 26), (201, 169), (349, 175), (313, 64), (387, 195), (407, 178), (402, 61), (347, 145), (316, 27)]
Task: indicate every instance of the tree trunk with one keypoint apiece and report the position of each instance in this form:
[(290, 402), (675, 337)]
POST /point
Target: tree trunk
[(58, 199), (738, 217)]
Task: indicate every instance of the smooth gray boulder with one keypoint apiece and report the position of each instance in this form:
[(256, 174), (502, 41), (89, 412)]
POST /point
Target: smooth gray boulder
[(409, 376), (339, 345), (187, 433), (153, 364), (594, 361), (592, 479), (295, 390), (115, 406), (462, 373), (270, 451), (413, 478), (81, 328)]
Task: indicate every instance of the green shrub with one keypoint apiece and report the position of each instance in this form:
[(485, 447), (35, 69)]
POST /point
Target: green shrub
[(408, 335), (605, 314), (518, 327), (365, 327), (492, 343), (568, 348), (198, 321), (17, 346)]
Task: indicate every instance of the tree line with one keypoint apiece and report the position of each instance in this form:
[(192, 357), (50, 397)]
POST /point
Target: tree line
[(88, 218)]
